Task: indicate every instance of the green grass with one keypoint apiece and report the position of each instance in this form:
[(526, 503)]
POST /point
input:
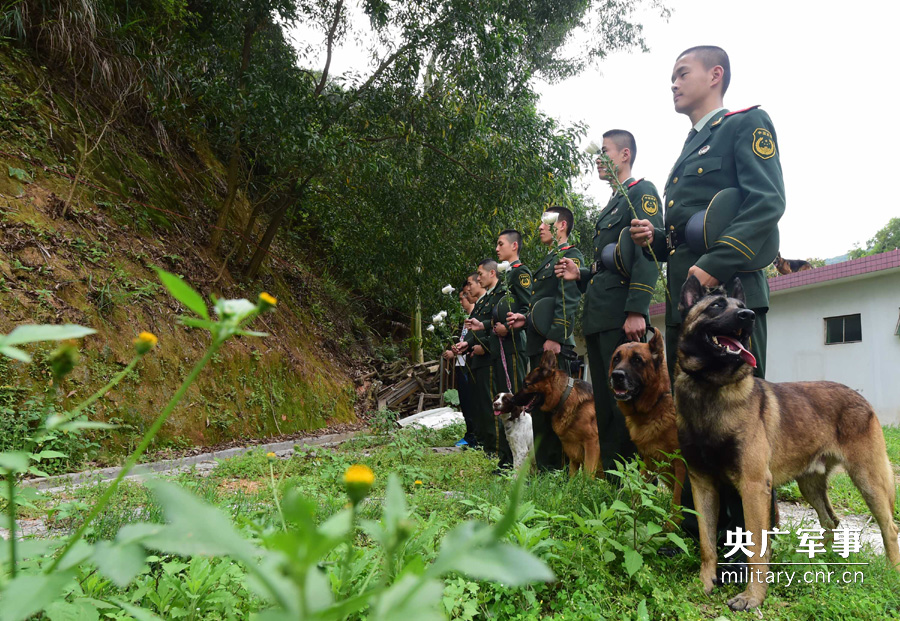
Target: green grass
[(444, 489)]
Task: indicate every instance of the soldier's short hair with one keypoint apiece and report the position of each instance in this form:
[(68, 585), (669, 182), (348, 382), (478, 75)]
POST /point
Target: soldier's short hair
[(465, 282), (512, 236), (710, 56), (488, 264), (566, 215), (623, 139), (472, 275)]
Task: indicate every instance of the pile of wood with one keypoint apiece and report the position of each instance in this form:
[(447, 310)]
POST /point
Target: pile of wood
[(408, 389)]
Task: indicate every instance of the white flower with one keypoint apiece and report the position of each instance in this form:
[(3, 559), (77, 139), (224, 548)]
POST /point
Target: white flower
[(448, 290), (549, 217), (443, 314), (503, 267), (234, 309), (430, 328), (437, 319), (593, 148)]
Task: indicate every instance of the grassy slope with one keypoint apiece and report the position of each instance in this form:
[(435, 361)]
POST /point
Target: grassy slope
[(94, 268)]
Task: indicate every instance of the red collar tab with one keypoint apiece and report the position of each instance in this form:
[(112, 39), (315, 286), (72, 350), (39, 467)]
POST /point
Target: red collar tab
[(631, 185), (516, 265), (566, 247), (744, 110)]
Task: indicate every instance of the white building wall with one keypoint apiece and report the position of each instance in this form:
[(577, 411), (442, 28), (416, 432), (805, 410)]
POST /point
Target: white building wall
[(797, 350)]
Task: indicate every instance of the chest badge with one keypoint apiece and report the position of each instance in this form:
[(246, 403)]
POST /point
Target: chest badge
[(703, 150)]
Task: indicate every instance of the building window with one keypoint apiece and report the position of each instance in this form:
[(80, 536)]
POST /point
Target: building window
[(843, 329)]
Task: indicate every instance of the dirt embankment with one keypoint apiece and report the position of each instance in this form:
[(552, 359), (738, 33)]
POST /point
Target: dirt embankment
[(144, 202)]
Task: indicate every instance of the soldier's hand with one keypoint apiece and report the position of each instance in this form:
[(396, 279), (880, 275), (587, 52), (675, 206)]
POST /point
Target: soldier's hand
[(634, 327), (552, 346), (567, 270), (474, 325), (448, 355), (705, 279), (500, 329), (515, 320), (641, 232), (478, 350), (460, 348)]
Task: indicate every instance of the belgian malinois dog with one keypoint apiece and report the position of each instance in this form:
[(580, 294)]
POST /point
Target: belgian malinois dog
[(571, 404), (640, 383), (757, 435)]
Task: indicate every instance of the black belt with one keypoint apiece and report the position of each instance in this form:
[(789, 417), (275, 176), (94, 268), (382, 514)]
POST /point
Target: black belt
[(596, 267), (675, 238)]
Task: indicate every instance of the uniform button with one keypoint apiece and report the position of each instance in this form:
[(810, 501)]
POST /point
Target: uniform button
[(699, 171), (671, 226), (671, 203), (608, 225), (675, 180)]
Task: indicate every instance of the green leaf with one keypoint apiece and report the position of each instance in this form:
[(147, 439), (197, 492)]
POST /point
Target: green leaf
[(48, 454), (194, 527), (18, 173), (138, 613), (183, 292), (678, 541), (633, 561), (506, 564), (65, 611), (29, 594), (120, 562), (14, 461), (642, 614), (410, 597), (15, 353), (618, 505), (34, 333)]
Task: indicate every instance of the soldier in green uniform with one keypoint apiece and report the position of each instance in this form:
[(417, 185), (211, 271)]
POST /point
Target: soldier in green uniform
[(723, 150), (560, 338), (478, 342), (518, 285), (617, 301)]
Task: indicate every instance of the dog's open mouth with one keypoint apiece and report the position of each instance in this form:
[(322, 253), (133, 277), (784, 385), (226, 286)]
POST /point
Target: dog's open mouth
[(621, 394), (732, 346)]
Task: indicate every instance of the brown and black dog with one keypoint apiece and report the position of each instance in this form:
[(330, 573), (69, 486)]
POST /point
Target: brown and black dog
[(789, 266), (571, 404), (640, 383), (757, 435)]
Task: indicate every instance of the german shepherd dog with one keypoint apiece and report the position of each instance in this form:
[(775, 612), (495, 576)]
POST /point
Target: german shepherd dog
[(757, 435), (573, 419), (789, 266), (640, 383)]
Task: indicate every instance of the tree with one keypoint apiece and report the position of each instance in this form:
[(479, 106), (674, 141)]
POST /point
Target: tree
[(885, 240)]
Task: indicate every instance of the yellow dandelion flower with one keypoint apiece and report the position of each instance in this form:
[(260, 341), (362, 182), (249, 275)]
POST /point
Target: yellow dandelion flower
[(270, 455), (418, 482), (144, 342), (358, 480), (266, 301)]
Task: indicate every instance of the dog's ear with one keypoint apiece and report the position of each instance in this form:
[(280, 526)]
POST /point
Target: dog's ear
[(656, 346), (691, 292), (737, 289), (548, 361)]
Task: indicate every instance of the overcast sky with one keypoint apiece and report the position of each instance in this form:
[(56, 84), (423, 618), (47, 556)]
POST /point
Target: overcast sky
[(826, 76)]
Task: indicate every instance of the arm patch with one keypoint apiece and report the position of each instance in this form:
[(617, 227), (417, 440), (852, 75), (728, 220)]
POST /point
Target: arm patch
[(649, 204)]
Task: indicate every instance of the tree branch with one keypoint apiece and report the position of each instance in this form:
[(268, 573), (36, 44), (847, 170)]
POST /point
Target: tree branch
[(330, 45)]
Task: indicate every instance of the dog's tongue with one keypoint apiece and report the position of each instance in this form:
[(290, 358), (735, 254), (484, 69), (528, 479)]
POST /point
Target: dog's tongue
[(497, 412), (734, 344)]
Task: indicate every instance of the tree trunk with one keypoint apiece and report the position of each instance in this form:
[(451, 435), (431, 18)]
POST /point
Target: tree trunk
[(248, 231), (250, 30), (263, 248), (417, 353)]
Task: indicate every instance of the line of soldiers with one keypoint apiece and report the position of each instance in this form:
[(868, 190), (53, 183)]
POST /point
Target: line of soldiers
[(723, 151)]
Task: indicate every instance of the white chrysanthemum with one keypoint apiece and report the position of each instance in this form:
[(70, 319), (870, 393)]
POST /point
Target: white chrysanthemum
[(234, 309), (503, 267), (448, 290), (549, 217), (430, 328)]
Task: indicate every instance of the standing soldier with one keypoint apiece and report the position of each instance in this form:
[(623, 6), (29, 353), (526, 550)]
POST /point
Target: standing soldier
[(724, 150), (518, 299), (617, 296), (478, 342), (559, 313)]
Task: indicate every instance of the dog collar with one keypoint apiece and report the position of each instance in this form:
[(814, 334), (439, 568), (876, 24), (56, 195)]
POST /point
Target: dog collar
[(565, 396)]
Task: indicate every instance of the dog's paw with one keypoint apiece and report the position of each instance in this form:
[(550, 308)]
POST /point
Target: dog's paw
[(744, 601)]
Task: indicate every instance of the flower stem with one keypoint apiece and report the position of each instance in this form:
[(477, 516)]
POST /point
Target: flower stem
[(275, 497), (11, 507), (118, 377), (136, 455)]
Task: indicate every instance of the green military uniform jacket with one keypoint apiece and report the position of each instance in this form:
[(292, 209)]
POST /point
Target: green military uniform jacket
[(546, 284), (483, 312), (520, 287), (609, 295), (734, 149)]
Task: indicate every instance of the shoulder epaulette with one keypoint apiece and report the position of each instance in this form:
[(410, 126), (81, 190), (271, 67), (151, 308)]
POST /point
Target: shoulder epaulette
[(744, 110), (631, 185)]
